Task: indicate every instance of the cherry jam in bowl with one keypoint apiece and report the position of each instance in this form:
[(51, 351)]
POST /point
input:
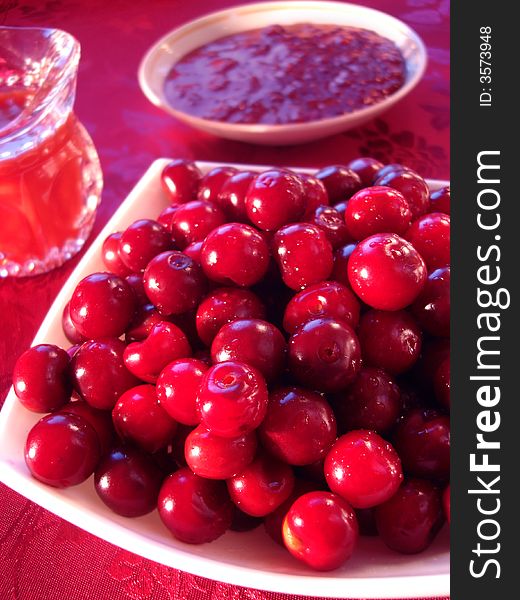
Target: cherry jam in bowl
[(283, 72)]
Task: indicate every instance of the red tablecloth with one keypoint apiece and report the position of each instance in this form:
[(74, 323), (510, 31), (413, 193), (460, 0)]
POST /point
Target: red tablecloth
[(41, 556)]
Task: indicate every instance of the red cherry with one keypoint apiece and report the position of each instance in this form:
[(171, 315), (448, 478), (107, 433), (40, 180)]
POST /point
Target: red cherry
[(62, 450), (363, 468), (99, 374), (411, 185), (166, 215), (174, 282), (69, 329), (145, 318), (147, 358), (139, 418), (232, 399), (215, 457), (432, 307), (262, 486), (180, 180), (299, 427), (232, 196), (324, 354), (423, 442), (430, 236), (390, 340), (386, 271), (388, 169), (225, 305), (315, 195), (331, 221), (178, 387), (440, 201), (254, 342), (212, 183), (128, 482), (441, 382), (102, 305), (193, 221), (100, 420), (365, 168), (275, 198), (235, 254), (377, 209), (304, 255), (321, 530), (325, 299), (135, 281), (194, 509), (340, 267), (339, 181), (410, 520), (373, 401), (141, 241), (41, 378), (110, 255)]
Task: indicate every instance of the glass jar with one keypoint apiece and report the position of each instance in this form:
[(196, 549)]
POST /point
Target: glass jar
[(50, 176)]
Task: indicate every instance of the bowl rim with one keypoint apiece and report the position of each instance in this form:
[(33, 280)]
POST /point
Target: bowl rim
[(158, 99)]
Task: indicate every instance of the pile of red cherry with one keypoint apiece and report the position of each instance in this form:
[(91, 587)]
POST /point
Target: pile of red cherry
[(273, 347)]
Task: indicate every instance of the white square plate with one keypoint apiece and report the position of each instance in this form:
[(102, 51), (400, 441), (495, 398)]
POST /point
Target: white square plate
[(249, 559)]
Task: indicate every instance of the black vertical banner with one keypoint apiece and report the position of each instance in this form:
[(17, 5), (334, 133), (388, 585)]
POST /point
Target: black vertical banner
[(485, 355)]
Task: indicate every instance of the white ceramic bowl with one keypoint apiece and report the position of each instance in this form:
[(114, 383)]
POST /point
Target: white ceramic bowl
[(167, 51), (249, 559)]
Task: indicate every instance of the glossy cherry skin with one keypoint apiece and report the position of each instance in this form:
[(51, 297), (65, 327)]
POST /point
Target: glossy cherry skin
[(41, 378), (372, 401), (232, 399), (315, 195), (274, 199), (100, 420), (390, 340), (432, 307), (232, 196), (339, 181), (388, 169), (262, 486), (430, 236), (410, 520), (62, 450), (411, 185), (325, 299), (145, 318), (363, 468), (321, 530), (423, 442), (255, 342), (128, 481), (340, 267), (446, 503), (193, 221), (111, 257), (138, 418), (440, 200), (299, 427), (174, 282), (177, 389), (225, 305), (333, 224), (102, 305), (146, 359), (69, 329), (377, 209), (215, 457), (194, 250), (365, 168), (386, 272), (99, 374), (166, 215), (235, 254), (324, 354), (212, 182), (141, 241), (180, 180), (303, 254), (441, 383), (194, 509)]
